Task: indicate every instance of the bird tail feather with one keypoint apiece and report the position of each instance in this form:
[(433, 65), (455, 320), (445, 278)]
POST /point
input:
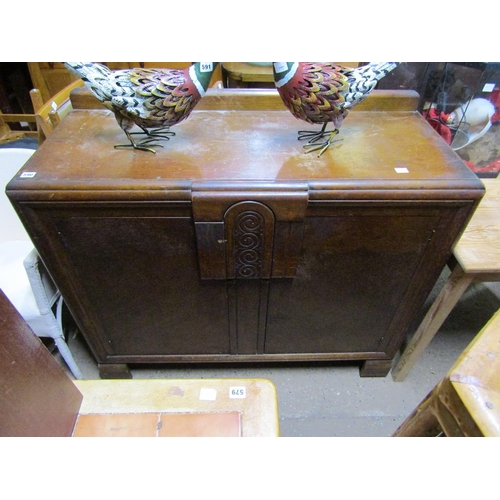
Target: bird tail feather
[(95, 76), (87, 71), (377, 70)]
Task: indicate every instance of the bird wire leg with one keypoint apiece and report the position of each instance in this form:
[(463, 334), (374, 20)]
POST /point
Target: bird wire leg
[(310, 147), (143, 146), (157, 133), (162, 132), (314, 137)]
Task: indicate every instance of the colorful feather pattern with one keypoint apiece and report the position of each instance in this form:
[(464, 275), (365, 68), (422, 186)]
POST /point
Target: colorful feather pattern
[(322, 93), (319, 92), (148, 98)]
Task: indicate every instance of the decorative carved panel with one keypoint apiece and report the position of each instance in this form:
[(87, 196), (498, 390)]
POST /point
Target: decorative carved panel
[(252, 233), (249, 235)]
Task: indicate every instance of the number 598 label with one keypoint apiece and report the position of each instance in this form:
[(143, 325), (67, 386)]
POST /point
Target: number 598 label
[(237, 392)]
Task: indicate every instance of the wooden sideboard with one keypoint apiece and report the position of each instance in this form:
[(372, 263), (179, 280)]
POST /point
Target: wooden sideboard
[(231, 244)]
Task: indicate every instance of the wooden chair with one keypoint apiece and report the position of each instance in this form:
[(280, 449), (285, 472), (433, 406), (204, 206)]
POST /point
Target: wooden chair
[(9, 135), (466, 403), (48, 114)]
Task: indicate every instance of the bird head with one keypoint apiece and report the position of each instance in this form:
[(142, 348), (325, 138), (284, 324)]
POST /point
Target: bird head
[(201, 74), (283, 72)]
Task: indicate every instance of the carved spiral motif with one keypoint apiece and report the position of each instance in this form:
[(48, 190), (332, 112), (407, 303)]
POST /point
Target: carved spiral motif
[(248, 244)]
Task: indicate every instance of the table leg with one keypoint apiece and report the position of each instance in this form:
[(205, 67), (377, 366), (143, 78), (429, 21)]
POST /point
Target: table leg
[(453, 289)]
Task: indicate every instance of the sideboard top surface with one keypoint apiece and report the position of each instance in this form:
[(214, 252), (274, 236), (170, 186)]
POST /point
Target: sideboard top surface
[(212, 148)]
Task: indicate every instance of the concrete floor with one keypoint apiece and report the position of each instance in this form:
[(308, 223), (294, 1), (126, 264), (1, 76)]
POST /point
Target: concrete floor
[(331, 399)]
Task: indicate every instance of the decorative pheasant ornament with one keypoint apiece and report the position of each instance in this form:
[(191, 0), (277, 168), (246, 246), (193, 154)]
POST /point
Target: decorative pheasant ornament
[(152, 99), (324, 93)]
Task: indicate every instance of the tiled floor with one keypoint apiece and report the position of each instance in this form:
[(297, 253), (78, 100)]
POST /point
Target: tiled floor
[(330, 399)]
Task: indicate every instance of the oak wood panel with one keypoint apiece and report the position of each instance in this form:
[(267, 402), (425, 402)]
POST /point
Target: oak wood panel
[(348, 255)]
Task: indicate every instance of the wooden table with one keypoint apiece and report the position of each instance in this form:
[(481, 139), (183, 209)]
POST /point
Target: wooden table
[(476, 258), (149, 250), (467, 401), (185, 407), (244, 74)]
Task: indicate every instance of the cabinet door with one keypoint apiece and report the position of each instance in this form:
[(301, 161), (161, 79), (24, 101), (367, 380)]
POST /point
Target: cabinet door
[(353, 278), (132, 279)]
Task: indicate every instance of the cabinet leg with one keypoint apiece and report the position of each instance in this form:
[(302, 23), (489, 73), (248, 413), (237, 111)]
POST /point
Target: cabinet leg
[(114, 370), (375, 368)]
